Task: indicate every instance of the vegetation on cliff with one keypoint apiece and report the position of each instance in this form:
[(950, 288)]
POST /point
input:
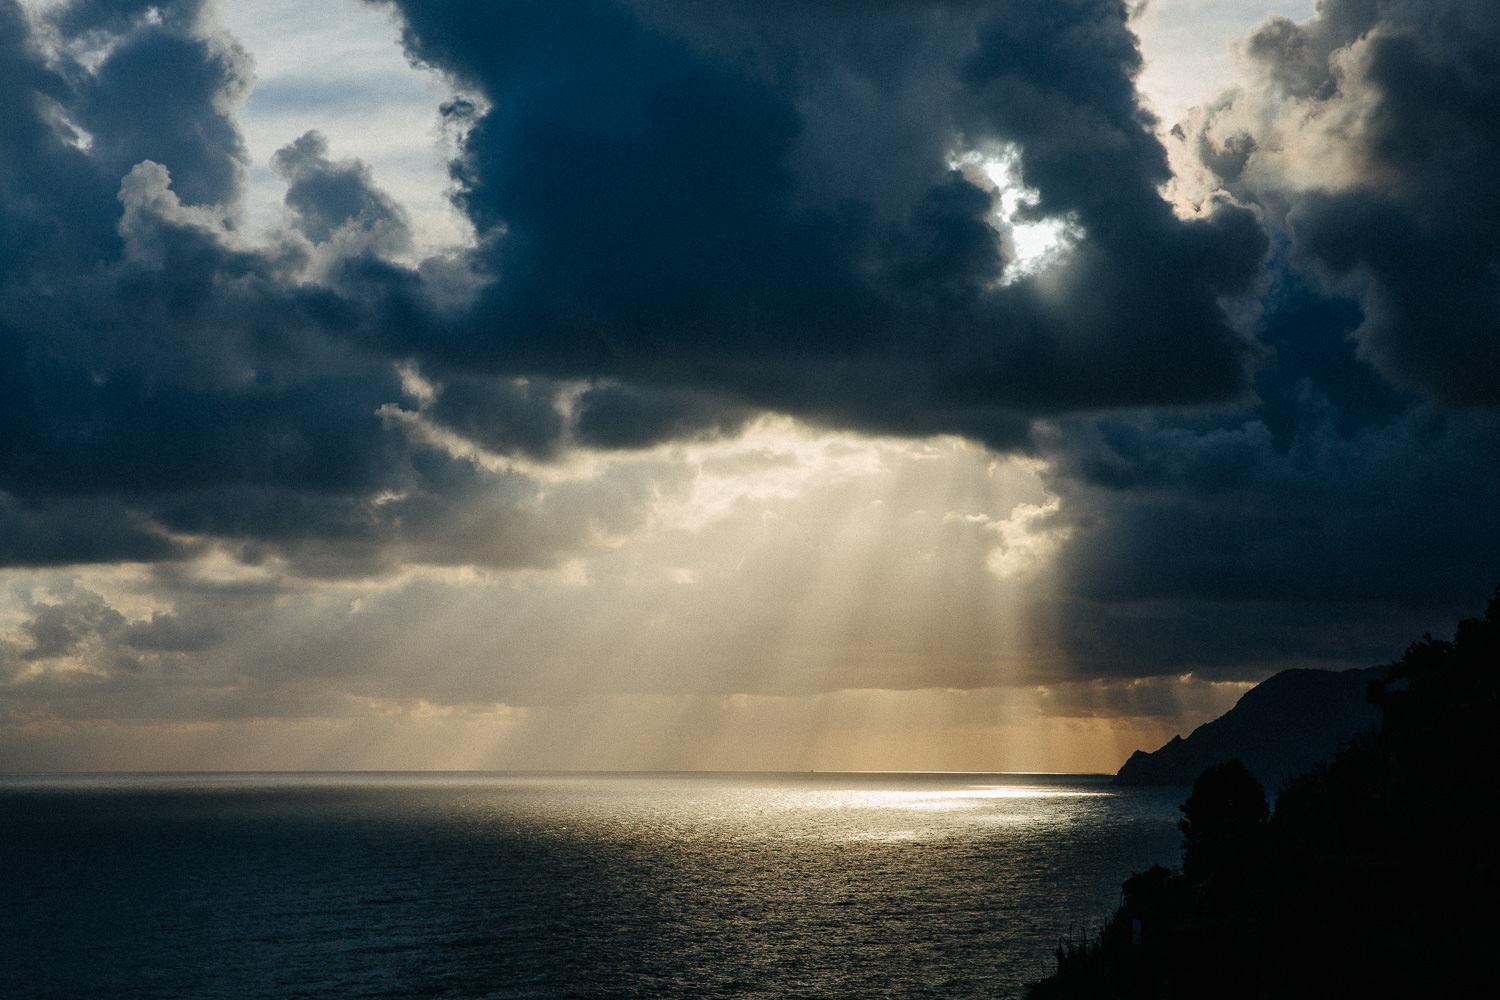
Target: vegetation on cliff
[(1378, 875)]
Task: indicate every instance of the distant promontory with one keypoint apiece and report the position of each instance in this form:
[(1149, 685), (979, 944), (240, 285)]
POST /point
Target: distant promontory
[(1278, 729), (1374, 876)]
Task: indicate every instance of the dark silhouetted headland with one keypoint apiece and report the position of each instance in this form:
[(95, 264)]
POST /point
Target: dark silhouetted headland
[(1377, 875), (1280, 728)]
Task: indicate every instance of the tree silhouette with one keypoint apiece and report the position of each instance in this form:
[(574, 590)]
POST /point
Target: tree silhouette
[(1376, 876), (1223, 821)]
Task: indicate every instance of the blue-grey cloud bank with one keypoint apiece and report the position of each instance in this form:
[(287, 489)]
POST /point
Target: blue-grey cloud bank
[(1256, 370)]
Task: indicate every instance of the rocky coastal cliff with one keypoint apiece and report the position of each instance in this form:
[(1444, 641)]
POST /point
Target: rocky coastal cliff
[(1280, 728)]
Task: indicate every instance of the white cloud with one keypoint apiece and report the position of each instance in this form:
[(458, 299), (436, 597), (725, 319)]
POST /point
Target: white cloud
[(336, 66), (1189, 48)]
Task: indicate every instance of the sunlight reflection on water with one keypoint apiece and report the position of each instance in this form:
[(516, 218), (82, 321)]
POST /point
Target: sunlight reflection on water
[(560, 885)]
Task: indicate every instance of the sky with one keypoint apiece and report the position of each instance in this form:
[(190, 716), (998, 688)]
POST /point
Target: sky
[(776, 385)]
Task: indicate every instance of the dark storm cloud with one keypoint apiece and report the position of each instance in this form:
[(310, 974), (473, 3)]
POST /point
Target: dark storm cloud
[(616, 416), (70, 530), (669, 210), (326, 196), (75, 429), (1405, 92), (160, 378), (58, 629), (165, 96), (1355, 497), (684, 219), (446, 512), (1223, 514), (56, 201), (167, 632), (651, 195), (505, 416)]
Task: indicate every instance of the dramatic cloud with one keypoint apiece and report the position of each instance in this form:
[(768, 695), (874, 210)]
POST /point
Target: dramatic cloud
[(791, 370), (1195, 543), (652, 196), (1373, 142), (327, 199)]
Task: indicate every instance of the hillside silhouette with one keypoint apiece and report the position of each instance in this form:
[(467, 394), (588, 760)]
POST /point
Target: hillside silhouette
[(1280, 728), (1375, 876)]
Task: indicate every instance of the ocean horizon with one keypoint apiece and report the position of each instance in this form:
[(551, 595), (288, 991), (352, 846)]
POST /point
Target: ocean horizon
[(518, 884)]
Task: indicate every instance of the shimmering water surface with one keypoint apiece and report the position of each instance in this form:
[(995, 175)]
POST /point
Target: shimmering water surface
[(558, 885)]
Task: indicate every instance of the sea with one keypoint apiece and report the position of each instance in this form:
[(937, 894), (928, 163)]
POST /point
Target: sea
[(559, 885)]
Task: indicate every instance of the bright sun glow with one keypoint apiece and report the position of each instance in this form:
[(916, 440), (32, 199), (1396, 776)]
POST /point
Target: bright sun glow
[(786, 599), (1033, 243)]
